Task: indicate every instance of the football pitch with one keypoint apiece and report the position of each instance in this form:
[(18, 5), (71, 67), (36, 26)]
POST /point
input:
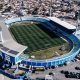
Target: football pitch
[(36, 36)]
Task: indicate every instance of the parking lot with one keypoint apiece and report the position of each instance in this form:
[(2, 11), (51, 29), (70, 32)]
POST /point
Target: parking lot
[(57, 74), (70, 67)]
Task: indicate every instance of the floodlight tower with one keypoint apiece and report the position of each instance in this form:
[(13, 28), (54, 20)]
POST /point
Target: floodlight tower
[(1, 35), (77, 20), (77, 23), (50, 8)]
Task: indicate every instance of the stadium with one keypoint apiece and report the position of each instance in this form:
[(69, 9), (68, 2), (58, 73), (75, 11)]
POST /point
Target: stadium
[(12, 51), (38, 42)]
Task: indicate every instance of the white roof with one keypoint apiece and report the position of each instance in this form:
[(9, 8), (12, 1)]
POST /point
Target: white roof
[(62, 23), (9, 42)]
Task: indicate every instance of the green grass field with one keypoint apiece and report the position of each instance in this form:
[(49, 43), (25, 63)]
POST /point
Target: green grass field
[(37, 37)]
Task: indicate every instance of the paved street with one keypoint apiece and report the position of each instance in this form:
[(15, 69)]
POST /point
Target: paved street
[(2, 77)]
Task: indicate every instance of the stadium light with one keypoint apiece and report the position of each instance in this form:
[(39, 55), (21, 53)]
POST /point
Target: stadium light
[(50, 8), (77, 16), (1, 35)]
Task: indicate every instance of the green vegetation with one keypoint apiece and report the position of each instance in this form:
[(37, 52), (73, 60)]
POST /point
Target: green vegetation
[(37, 37)]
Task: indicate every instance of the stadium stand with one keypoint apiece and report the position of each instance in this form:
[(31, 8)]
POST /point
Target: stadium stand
[(8, 49), (65, 31)]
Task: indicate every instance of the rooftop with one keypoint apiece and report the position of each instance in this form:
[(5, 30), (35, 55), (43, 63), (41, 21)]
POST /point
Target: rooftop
[(63, 23), (9, 43)]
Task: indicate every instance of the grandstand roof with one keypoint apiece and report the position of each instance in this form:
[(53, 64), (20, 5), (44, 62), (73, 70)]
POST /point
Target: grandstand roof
[(63, 23), (8, 42)]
